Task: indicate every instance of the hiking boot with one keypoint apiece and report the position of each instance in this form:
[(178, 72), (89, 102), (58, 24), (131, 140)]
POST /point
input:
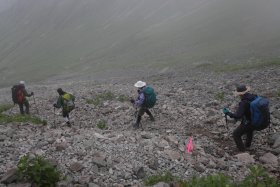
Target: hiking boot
[(68, 123), (152, 118)]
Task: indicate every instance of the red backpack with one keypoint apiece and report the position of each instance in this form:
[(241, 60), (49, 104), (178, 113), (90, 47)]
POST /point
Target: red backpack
[(18, 94)]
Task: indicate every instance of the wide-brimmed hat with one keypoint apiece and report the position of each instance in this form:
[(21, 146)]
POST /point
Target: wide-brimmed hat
[(22, 82), (241, 90), (140, 84)]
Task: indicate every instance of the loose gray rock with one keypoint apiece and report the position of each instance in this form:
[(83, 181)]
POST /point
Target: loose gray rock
[(161, 184), (245, 158), (10, 176), (270, 159)]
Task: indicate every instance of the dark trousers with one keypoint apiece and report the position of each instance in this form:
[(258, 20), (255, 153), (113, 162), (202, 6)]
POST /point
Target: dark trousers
[(65, 113), (242, 129), (143, 110), (26, 104)]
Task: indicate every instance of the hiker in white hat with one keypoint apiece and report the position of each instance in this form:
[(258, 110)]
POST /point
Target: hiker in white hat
[(146, 99), (19, 95)]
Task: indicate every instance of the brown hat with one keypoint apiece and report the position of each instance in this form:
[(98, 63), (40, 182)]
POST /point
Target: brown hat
[(241, 90)]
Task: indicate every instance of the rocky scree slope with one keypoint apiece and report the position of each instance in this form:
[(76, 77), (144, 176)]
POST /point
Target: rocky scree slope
[(120, 156)]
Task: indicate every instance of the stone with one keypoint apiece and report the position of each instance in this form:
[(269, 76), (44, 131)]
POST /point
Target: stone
[(161, 184), (10, 176), (153, 164), (140, 172), (93, 185), (276, 143), (172, 140), (99, 161), (174, 155), (75, 167), (245, 158), (163, 144), (272, 138), (60, 146), (269, 159), (20, 185), (146, 135)]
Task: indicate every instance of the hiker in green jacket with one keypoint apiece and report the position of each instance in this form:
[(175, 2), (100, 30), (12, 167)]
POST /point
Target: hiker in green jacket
[(146, 99), (66, 101), (22, 95)]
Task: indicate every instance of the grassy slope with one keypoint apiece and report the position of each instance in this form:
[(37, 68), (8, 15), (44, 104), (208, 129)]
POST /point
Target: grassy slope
[(39, 39)]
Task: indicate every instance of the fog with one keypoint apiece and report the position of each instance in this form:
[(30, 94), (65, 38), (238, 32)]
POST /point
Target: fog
[(45, 38)]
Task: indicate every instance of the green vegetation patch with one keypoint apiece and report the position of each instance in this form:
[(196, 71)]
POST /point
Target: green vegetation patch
[(5, 107), (154, 179), (38, 171), (278, 93), (220, 96), (258, 176), (102, 124), (21, 118), (233, 67), (106, 96)]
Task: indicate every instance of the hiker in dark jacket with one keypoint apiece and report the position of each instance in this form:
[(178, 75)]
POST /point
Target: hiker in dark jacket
[(66, 101), (139, 103), (243, 113), (24, 96)]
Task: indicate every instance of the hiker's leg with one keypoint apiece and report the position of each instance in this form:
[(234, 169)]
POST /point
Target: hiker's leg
[(21, 108), (26, 103), (65, 114), (237, 134), (140, 114), (150, 114), (249, 137)]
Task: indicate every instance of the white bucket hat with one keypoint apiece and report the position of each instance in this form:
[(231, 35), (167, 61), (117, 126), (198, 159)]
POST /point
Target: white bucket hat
[(140, 84), (22, 82)]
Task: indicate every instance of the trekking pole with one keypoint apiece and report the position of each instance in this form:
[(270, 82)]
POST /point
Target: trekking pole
[(54, 118), (226, 122), (35, 105)]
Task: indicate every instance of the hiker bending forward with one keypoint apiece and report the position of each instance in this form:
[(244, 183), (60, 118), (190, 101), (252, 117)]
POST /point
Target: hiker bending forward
[(146, 99), (243, 113), (66, 101), (22, 98)]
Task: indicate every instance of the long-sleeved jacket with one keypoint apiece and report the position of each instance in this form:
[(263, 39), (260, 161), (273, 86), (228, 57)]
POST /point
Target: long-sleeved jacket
[(243, 111), (25, 93), (141, 97)]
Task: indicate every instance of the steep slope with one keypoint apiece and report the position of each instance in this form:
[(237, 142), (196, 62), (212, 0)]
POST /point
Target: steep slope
[(39, 39)]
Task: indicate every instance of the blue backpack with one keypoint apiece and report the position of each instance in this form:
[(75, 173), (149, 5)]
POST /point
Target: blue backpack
[(260, 115)]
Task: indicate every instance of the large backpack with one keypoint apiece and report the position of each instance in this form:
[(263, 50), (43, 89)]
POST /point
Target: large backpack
[(18, 94), (150, 97), (260, 115), (68, 101)]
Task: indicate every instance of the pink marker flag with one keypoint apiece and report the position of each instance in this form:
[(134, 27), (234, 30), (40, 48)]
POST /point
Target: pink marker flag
[(189, 146)]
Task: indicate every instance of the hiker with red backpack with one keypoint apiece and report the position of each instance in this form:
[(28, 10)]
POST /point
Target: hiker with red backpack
[(146, 99), (254, 113), (19, 95), (66, 102)]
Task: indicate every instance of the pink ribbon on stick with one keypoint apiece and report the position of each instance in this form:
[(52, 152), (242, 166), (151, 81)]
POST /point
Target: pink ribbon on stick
[(189, 146)]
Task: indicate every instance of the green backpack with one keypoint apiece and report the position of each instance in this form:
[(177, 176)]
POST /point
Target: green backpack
[(150, 97)]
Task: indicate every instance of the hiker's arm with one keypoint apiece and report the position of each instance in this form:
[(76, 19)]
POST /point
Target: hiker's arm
[(239, 112), (26, 94), (140, 100), (59, 102)]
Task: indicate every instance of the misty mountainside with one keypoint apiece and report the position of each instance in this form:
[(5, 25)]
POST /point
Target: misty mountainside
[(41, 39)]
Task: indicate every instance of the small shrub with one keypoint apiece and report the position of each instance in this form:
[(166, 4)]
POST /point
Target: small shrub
[(38, 171), (101, 124), (122, 98), (154, 179), (5, 107), (278, 93), (220, 96), (209, 181), (258, 177), (99, 99)]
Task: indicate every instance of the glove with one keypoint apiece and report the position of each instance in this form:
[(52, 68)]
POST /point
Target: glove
[(54, 105), (132, 101), (226, 111)]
